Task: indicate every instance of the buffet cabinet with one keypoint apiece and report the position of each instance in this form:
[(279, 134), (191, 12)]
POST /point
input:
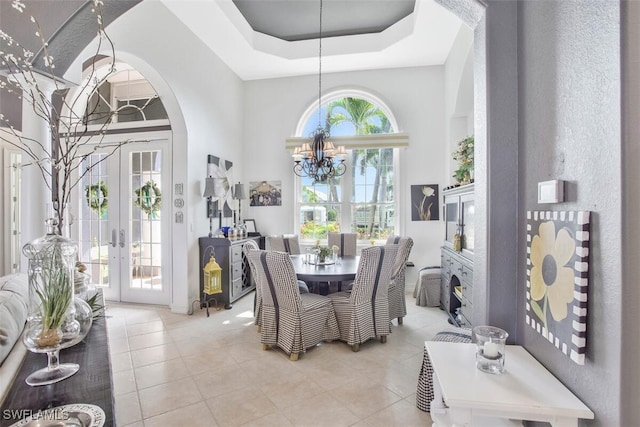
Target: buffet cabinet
[(236, 274), (456, 284), (456, 287)]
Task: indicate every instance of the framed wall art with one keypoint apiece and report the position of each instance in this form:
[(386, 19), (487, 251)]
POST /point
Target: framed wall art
[(222, 170), (558, 278), (425, 202), (265, 193), (251, 225)]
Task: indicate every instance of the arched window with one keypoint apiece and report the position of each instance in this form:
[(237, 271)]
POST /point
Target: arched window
[(363, 200), (126, 97)]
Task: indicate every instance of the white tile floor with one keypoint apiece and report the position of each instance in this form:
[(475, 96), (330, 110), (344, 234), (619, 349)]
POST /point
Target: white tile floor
[(179, 370)]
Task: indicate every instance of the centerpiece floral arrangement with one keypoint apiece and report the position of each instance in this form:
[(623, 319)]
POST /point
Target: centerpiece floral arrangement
[(322, 251)]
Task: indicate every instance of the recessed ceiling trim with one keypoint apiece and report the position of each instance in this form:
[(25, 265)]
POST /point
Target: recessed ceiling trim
[(421, 39), (340, 17)]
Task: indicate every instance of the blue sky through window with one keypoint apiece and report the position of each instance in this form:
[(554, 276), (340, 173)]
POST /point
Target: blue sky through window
[(360, 194)]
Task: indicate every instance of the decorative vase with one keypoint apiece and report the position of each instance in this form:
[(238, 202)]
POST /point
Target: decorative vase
[(51, 323)]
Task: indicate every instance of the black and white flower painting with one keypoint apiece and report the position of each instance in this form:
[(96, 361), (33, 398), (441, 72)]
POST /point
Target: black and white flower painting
[(222, 170)]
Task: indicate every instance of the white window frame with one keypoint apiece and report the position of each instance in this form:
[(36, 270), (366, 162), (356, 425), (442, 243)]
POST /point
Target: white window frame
[(391, 140), (346, 184)]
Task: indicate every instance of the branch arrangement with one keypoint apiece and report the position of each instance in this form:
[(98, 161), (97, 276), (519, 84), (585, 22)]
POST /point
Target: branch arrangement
[(76, 131)]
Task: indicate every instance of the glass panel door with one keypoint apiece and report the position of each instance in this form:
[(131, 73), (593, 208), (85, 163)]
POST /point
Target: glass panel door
[(97, 204), (123, 223), (468, 210), (451, 217)]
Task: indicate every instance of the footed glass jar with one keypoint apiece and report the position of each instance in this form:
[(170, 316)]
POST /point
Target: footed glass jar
[(51, 322)]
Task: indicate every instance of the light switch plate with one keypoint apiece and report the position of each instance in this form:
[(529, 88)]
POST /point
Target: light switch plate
[(551, 191)]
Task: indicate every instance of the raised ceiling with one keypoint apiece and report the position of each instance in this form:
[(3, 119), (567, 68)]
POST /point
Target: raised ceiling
[(366, 34), (340, 18)]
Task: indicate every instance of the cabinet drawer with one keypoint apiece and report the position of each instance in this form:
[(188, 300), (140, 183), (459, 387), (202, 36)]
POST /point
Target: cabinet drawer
[(466, 309), (236, 288), (444, 301), (467, 291), (236, 271), (467, 274), (236, 253)]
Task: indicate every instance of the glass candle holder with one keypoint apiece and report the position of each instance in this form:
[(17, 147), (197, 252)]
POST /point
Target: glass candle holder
[(490, 348)]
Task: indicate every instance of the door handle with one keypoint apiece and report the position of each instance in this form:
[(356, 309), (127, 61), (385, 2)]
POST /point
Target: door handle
[(122, 237), (113, 238)]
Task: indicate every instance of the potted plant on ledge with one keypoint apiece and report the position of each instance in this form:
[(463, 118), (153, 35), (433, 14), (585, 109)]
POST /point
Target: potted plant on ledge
[(464, 156)]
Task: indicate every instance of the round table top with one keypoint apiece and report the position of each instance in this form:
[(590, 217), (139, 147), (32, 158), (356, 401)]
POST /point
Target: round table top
[(344, 270)]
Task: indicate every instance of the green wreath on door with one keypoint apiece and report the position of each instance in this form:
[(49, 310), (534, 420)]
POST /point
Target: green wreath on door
[(97, 198), (149, 199)]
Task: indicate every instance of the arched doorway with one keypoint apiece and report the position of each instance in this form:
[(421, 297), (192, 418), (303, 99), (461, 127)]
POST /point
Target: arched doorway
[(122, 220)]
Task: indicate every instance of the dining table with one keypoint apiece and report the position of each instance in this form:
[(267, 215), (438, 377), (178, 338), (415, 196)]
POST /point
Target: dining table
[(343, 270)]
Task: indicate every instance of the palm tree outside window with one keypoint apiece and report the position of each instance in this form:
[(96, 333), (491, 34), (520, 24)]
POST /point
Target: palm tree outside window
[(362, 200)]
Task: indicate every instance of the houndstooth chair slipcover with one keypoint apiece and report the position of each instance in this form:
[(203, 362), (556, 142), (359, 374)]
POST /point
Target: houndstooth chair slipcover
[(251, 245), (281, 243), (424, 395), (290, 320), (397, 299), (347, 242), (363, 313)]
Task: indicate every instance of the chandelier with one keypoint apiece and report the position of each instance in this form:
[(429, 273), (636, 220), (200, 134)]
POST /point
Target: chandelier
[(319, 159)]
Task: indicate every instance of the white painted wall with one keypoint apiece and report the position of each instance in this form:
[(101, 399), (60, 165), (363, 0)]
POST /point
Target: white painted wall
[(203, 98), (213, 112), (415, 96), (458, 71)]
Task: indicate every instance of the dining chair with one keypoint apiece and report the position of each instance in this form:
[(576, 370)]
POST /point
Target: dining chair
[(291, 245), (397, 298), (276, 243), (252, 245), (292, 321), (346, 242), (363, 312), (285, 243)]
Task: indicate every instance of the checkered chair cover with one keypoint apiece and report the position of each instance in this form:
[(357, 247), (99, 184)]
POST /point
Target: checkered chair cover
[(281, 243), (424, 395), (276, 243), (292, 321), (347, 242), (251, 245), (397, 300), (363, 313)]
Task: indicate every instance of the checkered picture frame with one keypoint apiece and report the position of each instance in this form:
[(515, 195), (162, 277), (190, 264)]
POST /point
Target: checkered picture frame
[(569, 335)]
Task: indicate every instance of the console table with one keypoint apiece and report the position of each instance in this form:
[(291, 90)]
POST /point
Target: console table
[(236, 274), (525, 391), (90, 385)]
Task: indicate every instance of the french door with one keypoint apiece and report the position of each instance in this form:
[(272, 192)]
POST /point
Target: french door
[(123, 222)]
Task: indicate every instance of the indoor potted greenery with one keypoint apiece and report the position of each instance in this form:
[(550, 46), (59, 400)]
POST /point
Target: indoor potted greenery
[(322, 251), (51, 265), (464, 156)]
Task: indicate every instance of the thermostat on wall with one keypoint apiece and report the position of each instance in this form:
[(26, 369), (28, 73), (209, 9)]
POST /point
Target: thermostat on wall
[(551, 191)]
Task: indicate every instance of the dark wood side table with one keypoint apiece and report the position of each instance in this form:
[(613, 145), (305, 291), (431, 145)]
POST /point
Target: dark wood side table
[(91, 384)]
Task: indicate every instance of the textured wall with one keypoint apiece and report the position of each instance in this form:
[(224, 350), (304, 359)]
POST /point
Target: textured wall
[(569, 118)]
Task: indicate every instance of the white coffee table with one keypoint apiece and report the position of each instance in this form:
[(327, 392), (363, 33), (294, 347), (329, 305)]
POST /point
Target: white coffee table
[(525, 391)]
